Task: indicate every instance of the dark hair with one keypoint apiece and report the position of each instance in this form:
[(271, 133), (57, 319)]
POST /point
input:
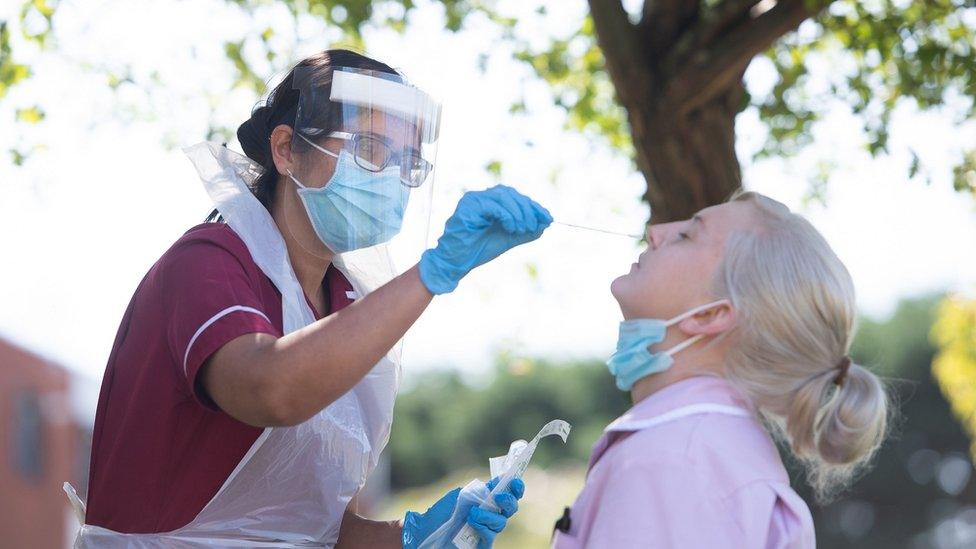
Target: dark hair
[(281, 107)]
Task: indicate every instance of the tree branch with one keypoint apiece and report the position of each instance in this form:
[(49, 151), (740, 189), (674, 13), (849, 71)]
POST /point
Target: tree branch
[(620, 42), (707, 27), (663, 20), (714, 69)]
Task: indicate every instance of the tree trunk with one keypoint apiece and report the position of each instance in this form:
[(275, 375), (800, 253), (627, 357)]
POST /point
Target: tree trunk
[(688, 159), (678, 73)]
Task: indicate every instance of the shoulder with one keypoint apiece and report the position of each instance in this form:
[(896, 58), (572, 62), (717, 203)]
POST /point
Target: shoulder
[(739, 449), (637, 475), (649, 456), (774, 512), (212, 234), (207, 254), (206, 243), (706, 479), (727, 451)]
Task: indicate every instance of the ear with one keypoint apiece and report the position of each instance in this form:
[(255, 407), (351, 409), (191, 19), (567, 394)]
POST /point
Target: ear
[(281, 148), (715, 320)]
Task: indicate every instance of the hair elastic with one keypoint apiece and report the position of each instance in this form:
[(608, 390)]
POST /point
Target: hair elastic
[(844, 365)]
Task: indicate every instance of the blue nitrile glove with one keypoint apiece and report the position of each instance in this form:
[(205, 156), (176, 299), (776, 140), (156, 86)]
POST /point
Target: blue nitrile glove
[(489, 524), (484, 225), (417, 527)]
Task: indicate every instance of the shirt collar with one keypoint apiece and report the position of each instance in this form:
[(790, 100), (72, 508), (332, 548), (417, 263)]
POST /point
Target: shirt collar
[(692, 391)]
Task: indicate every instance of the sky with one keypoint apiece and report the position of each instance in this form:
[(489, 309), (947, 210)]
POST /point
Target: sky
[(86, 216)]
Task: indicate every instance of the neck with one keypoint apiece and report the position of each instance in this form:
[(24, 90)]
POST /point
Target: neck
[(309, 258), (692, 364), (309, 269)]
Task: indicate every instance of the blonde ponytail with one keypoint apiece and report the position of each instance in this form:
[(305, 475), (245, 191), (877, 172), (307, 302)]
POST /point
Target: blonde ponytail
[(795, 302)]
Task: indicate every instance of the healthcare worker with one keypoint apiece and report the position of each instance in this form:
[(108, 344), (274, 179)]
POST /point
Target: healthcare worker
[(250, 389), (760, 315)]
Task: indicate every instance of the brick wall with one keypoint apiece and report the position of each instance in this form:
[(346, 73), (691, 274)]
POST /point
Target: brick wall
[(39, 450)]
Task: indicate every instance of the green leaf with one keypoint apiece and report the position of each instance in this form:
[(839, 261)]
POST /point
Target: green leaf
[(915, 166), (914, 52), (245, 74), (17, 157), (494, 167), (31, 115), (11, 72), (38, 11), (964, 175)]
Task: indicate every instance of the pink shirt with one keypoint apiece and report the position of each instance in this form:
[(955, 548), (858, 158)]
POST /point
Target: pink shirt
[(689, 466)]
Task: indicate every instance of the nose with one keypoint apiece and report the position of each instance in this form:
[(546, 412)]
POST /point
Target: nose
[(659, 234), (656, 235)]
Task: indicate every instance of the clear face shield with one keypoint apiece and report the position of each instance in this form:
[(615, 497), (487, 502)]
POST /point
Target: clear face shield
[(363, 153)]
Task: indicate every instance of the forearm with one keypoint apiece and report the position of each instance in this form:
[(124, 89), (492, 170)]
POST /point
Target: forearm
[(357, 532), (315, 365), (265, 381)]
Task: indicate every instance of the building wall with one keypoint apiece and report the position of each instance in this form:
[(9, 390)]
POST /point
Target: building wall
[(39, 450)]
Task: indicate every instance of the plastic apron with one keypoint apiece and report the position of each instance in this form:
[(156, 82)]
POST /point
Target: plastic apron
[(293, 485)]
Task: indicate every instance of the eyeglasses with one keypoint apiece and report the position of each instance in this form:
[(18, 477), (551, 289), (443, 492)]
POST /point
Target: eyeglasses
[(375, 155)]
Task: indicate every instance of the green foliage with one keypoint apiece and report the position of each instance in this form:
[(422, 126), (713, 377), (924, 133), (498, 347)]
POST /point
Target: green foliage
[(886, 52), (964, 175), (444, 424), (955, 366), (575, 69), (31, 115), (894, 49), (245, 74), (36, 20), (494, 167), (11, 72), (915, 51)]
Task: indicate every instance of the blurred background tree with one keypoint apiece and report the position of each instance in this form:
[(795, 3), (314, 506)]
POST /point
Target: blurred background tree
[(955, 365)]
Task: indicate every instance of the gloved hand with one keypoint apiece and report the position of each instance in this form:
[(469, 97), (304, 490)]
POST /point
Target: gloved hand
[(489, 524), (484, 225), (417, 527)]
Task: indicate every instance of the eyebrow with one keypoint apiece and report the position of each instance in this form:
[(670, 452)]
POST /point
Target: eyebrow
[(389, 142), (699, 219)]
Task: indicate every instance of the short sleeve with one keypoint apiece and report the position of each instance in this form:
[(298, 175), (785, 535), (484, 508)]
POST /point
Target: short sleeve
[(209, 300), (663, 504), (773, 516)]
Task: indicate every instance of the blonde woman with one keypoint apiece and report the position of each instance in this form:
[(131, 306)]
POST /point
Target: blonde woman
[(761, 316)]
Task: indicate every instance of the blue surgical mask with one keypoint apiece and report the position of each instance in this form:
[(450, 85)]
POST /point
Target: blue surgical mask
[(356, 208), (633, 358)]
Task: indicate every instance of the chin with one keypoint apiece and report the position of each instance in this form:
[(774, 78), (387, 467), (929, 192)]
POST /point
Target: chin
[(618, 288)]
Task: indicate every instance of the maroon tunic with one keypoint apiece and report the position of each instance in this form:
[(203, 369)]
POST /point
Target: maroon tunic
[(161, 448)]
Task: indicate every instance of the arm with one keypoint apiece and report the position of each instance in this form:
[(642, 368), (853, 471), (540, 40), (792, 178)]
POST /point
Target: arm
[(357, 532), (267, 381), (264, 381)]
